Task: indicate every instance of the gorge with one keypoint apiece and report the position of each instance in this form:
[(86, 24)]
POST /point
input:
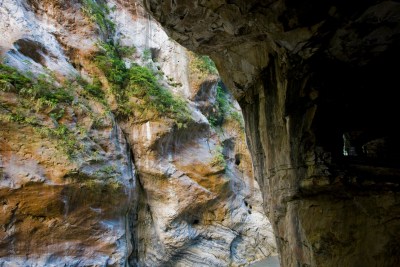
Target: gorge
[(317, 87), (119, 147)]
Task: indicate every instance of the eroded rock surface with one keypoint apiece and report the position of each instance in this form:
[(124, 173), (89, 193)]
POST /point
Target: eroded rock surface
[(90, 178), (316, 85)]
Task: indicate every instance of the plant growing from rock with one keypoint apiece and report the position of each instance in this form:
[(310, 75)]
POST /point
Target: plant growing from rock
[(109, 60), (203, 64), (224, 110), (47, 95), (221, 109), (218, 158), (144, 85), (140, 83), (65, 139), (97, 11), (146, 54), (44, 92)]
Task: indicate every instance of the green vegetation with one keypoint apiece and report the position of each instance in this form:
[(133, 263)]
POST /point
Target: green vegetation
[(222, 108), (94, 89), (46, 95), (57, 114), (91, 186), (146, 54), (41, 90), (98, 121), (108, 170), (109, 60), (218, 159), (93, 189), (144, 85), (11, 79), (97, 11), (65, 139), (140, 83), (18, 118), (237, 116), (204, 64), (135, 82), (90, 90)]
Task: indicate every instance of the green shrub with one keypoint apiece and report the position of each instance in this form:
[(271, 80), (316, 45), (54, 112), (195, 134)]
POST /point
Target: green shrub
[(93, 89), (41, 90), (204, 64), (222, 108), (97, 11), (144, 85), (12, 80), (109, 60), (139, 82), (57, 114)]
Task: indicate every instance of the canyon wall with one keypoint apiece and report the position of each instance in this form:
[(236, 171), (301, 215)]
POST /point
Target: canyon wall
[(118, 147), (317, 87)]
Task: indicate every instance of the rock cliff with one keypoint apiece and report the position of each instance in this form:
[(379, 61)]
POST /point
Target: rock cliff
[(118, 147), (317, 86)]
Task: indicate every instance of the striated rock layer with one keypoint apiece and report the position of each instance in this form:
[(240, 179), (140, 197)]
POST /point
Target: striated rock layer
[(317, 86), (97, 171)]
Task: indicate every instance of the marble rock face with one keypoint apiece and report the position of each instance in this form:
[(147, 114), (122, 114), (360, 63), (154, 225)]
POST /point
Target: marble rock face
[(82, 186), (317, 86)]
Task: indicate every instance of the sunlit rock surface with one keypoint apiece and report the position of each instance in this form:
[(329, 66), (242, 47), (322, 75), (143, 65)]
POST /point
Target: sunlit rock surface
[(317, 86), (82, 186)]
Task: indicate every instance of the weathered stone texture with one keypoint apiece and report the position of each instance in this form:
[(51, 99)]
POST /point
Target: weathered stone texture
[(317, 88), (138, 191)]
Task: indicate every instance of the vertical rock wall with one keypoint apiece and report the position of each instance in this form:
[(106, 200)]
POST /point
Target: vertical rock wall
[(81, 184), (316, 89)]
